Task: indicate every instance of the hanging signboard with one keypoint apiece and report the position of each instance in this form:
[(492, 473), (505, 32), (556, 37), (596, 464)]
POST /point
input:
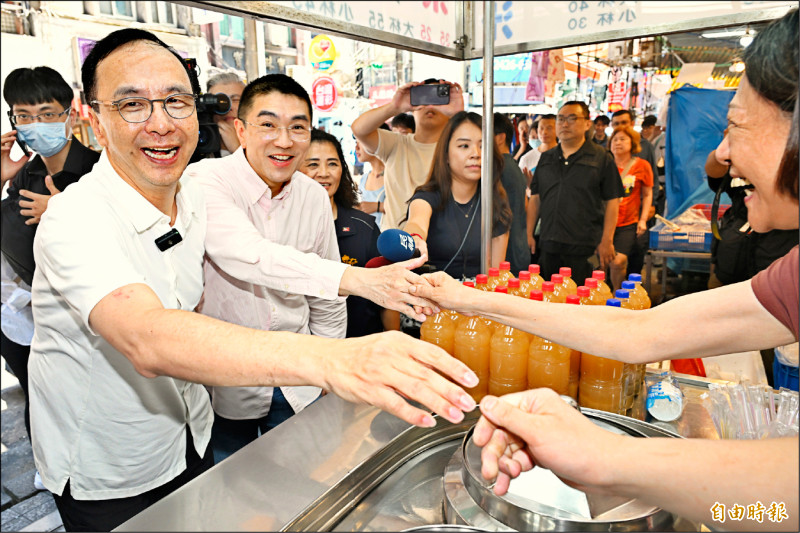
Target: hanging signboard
[(324, 93), (569, 23), (321, 52)]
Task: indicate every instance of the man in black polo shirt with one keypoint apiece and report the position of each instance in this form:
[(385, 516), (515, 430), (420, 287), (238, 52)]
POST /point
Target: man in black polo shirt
[(41, 112), (575, 190)]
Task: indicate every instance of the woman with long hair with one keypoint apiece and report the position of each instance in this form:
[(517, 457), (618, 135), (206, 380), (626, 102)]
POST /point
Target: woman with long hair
[(356, 232), (444, 212), (634, 207)]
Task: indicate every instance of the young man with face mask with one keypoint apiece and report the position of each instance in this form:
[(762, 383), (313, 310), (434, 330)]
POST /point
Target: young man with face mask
[(40, 102)]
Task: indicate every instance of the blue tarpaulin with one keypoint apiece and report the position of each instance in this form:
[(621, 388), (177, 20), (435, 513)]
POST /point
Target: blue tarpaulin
[(696, 119)]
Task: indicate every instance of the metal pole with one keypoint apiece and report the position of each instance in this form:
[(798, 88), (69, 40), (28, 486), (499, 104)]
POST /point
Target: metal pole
[(487, 136)]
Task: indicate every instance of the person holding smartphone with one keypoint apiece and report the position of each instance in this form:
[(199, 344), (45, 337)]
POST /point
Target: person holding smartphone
[(408, 158), (41, 119)]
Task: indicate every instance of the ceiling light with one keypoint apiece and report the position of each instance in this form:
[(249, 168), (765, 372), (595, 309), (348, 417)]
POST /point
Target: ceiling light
[(726, 34)]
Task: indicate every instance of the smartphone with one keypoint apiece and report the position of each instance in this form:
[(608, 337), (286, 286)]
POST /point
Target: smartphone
[(434, 94), (21, 144)]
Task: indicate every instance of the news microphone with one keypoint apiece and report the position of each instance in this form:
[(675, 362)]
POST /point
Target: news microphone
[(397, 245)]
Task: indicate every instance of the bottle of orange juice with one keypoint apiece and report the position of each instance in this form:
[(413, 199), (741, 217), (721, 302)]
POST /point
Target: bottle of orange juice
[(601, 383), (525, 285), (536, 278), (584, 295), (439, 329), (624, 298), (548, 288), (640, 292), (508, 361), (514, 286), (569, 284), (548, 365), (482, 282), (505, 272), (600, 276), (575, 355), (471, 347), (559, 291), (494, 278), (596, 295)]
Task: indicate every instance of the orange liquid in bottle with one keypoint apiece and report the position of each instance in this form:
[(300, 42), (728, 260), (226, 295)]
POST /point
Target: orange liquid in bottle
[(594, 289), (508, 358), (569, 284), (605, 291), (482, 282), (536, 278), (602, 383), (505, 272), (548, 362), (494, 279), (440, 330), (471, 346), (559, 291)]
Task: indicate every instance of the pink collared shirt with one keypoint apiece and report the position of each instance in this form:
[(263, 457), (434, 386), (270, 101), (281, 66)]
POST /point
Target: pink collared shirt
[(271, 264)]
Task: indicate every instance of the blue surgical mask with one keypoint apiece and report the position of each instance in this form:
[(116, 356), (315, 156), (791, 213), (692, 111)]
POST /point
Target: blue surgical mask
[(44, 138)]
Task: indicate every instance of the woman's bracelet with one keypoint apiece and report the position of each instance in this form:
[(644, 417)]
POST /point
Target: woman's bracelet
[(378, 210), (417, 235)]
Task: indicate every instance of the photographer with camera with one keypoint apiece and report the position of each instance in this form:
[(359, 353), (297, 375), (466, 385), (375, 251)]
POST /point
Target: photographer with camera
[(408, 158), (232, 86)]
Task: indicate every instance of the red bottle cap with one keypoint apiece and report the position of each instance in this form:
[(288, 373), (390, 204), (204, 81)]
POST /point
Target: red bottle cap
[(591, 283), (501, 288), (505, 265), (469, 284), (565, 271), (548, 286), (537, 295), (494, 272), (573, 299), (481, 279), (524, 275), (558, 279), (513, 283), (583, 292), (533, 269), (599, 274)]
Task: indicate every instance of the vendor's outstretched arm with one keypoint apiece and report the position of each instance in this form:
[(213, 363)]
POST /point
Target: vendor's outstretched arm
[(707, 323), (686, 476)]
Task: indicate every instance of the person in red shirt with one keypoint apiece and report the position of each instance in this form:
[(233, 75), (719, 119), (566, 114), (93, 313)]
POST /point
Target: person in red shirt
[(634, 207)]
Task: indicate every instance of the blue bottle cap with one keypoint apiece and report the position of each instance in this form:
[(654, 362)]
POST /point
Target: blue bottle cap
[(635, 277), (629, 285), (613, 302), (621, 294)]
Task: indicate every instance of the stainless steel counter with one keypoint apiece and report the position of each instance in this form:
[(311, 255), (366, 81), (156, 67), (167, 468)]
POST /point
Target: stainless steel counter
[(304, 463)]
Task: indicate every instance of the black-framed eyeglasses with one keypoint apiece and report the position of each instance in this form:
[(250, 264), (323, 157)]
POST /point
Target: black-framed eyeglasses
[(20, 120), (569, 119), (137, 109), (270, 132)]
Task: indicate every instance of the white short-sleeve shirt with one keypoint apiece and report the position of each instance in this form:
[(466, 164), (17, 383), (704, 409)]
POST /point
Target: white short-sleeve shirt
[(95, 420)]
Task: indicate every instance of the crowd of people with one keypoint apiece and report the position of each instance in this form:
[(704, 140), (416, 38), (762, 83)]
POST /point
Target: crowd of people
[(161, 315)]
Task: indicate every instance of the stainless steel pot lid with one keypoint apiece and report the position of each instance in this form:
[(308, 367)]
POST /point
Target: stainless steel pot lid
[(538, 500)]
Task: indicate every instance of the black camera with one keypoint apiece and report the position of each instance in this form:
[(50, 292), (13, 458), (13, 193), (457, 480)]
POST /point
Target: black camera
[(209, 140), (208, 105)]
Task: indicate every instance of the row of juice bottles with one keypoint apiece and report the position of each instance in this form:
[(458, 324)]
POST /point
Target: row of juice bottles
[(509, 360)]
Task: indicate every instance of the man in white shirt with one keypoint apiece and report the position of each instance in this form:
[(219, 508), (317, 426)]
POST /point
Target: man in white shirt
[(285, 207), (119, 417), (408, 157)]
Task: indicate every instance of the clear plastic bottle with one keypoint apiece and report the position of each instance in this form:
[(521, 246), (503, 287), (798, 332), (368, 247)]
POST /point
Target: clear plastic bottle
[(624, 298), (548, 365), (584, 295), (536, 278), (569, 283), (514, 287), (508, 361), (600, 276), (439, 329), (643, 296), (525, 285), (505, 272), (494, 278), (594, 288), (558, 288), (601, 383), (633, 298), (482, 282), (548, 288), (575, 355), (471, 346)]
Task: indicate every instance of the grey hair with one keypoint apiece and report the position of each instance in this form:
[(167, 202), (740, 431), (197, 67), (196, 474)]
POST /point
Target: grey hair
[(223, 77)]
